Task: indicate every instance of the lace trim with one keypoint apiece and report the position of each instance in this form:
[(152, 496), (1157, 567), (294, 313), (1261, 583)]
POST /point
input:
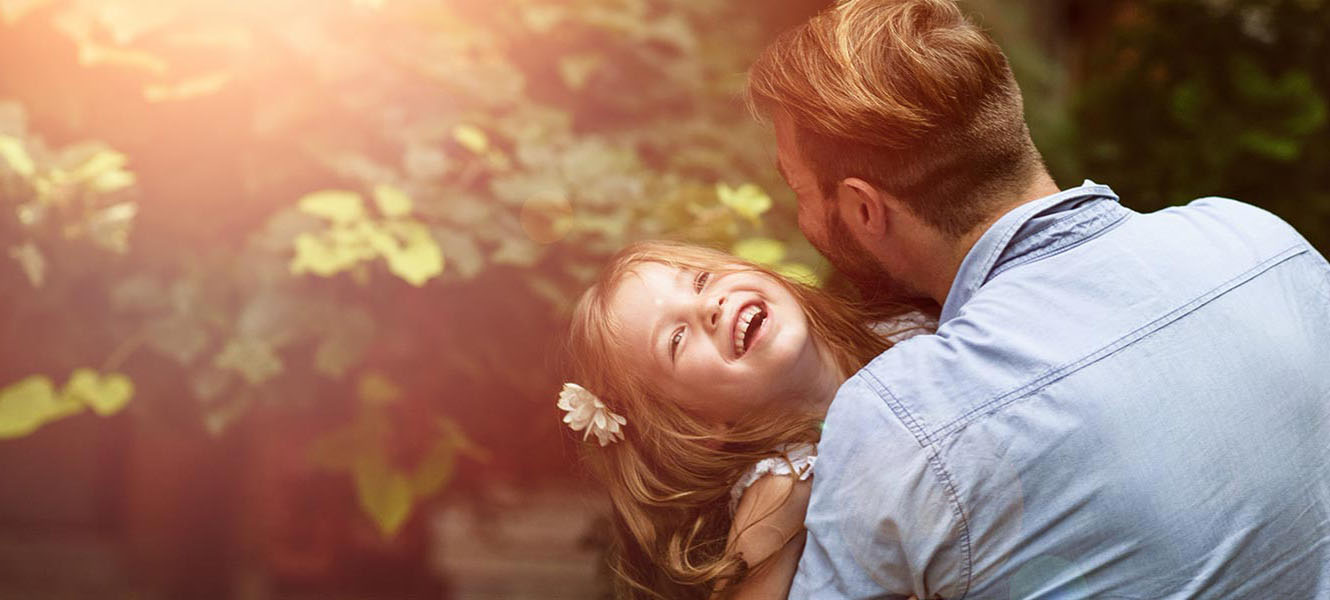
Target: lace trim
[(801, 457), (904, 327)]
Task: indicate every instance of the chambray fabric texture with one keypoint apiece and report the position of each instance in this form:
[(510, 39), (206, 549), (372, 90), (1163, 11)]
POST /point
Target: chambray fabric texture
[(1115, 405)]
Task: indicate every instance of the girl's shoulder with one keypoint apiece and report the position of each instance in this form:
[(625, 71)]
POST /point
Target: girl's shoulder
[(797, 461), (769, 511)]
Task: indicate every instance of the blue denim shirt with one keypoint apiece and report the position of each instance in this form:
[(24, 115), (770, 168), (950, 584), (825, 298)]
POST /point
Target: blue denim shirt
[(1115, 405)]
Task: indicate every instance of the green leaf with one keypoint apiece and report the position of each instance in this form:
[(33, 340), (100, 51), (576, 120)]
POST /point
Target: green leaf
[(219, 417), (338, 206), (1271, 146), (128, 21), (254, 359), (344, 342), (139, 294), (436, 469), (25, 406), (101, 162), (453, 434), (178, 337), (321, 256), (92, 54), (392, 202), (112, 181), (109, 227), (472, 138), (464, 256), (748, 200), (31, 260), (384, 493), (105, 395), (1188, 101), (33, 402), (377, 389), (576, 69), (13, 152), (210, 382), (763, 251), (419, 259), (193, 87), (13, 10), (799, 272), (516, 251), (1309, 117)]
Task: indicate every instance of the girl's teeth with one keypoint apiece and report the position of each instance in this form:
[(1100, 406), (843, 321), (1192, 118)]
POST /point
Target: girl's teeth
[(746, 318)]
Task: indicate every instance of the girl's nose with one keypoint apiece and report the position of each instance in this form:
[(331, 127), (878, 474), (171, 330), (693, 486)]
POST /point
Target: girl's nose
[(714, 311)]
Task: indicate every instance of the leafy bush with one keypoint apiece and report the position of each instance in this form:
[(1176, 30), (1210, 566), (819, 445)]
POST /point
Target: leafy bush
[(1188, 98), (294, 204)]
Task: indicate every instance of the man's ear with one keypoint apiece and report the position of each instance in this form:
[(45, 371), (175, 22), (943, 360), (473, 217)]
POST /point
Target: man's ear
[(864, 208)]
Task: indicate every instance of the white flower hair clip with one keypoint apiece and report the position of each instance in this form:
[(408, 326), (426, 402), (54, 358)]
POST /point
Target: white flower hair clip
[(587, 412)]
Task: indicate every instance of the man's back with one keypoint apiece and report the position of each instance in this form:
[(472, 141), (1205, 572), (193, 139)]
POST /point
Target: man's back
[(1114, 405)]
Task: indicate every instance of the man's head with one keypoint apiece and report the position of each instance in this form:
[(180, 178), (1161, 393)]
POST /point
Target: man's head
[(900, 127)]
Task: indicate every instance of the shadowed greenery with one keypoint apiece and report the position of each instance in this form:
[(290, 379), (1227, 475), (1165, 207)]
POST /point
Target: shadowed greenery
[(1189, 98)]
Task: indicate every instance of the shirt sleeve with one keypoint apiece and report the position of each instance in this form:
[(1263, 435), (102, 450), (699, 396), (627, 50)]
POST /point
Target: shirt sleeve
[(882, 522)]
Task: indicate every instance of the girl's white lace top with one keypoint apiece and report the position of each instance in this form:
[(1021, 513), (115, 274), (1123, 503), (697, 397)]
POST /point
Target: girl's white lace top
[(801, 458), (906, 326)]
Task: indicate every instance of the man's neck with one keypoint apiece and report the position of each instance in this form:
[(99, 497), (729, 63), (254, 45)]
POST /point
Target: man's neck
[(956, 250)]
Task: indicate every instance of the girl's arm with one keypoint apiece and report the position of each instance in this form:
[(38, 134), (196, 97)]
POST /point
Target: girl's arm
[(769, 526)]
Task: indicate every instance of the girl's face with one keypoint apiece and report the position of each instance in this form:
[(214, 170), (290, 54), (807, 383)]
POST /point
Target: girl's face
[(720, 344)]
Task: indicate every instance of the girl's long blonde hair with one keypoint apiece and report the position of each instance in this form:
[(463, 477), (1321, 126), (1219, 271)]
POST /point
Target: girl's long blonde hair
[(669, 480)]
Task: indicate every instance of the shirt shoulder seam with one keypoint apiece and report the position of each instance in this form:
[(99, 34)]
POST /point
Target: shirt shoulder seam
[(1057, 373), (917, 429)]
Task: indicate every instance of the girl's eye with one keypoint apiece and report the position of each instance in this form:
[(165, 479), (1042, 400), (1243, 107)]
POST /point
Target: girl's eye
[(674, 342), (700, 281)]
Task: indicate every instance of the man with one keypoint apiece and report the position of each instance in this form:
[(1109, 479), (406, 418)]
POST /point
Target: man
[(1115, 404)]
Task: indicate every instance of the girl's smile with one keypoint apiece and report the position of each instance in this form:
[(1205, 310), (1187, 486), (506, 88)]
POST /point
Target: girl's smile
[(747, 326), (720, 343)]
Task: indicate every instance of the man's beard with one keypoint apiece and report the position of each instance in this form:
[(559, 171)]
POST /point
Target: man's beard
[(878, 289)]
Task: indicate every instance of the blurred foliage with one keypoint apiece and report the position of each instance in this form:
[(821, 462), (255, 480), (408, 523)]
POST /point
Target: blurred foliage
[(1188, 98), (254, 205), (27, 405), (386, 492), (375, 214)]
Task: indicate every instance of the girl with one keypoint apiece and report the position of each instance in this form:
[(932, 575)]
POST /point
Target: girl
[(704, 380)]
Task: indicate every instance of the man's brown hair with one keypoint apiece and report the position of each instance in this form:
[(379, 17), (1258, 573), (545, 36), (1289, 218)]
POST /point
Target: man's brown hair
[(908, 95)]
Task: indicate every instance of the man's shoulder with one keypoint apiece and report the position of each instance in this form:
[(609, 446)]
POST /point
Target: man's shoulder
[(865, 414), (885, 401), (929, 381), (1226, 221), (1035, 322)]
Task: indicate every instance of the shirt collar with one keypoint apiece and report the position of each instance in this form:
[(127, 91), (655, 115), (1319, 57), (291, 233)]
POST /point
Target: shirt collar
[(1036, 227)]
